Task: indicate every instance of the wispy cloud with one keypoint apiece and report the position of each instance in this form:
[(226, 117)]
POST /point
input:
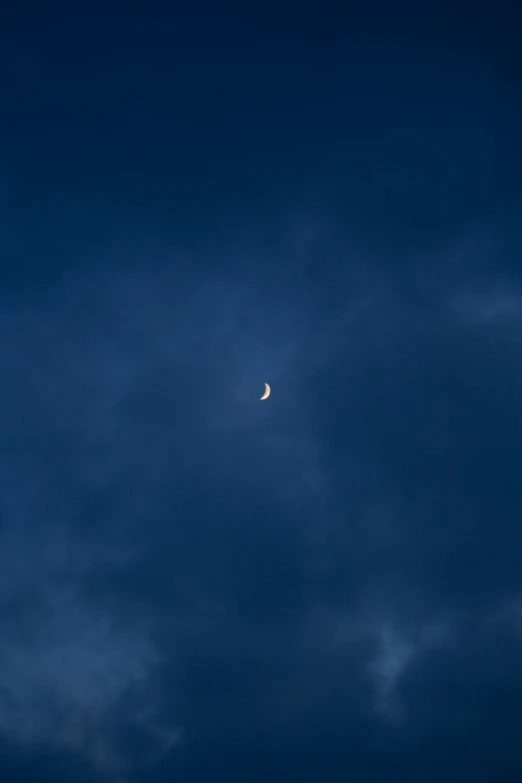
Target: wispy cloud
[(151, 504), (86, 362)]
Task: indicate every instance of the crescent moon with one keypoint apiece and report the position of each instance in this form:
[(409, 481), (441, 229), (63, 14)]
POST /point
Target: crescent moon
[(266, 392)]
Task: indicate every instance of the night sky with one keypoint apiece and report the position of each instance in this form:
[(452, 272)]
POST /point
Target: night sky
[(195, 200)]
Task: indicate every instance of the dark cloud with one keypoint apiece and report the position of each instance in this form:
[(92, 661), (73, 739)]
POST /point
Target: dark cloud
[(187, 571)]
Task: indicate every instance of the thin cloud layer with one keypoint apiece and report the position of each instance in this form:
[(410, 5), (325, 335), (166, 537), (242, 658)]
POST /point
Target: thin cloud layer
[(173, 550), (117, 395)]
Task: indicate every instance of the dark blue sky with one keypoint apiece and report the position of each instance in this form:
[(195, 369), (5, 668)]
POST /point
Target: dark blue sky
[(195, 585)]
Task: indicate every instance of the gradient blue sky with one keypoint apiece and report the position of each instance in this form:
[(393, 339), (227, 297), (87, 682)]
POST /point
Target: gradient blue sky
[(195, 585)]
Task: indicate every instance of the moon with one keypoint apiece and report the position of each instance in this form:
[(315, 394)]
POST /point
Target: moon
[(266, 392)]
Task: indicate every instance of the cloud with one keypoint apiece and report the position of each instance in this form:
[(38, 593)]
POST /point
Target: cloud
[(397, 650), (68, 664), (62, 685), (172, 550), (123, 394)]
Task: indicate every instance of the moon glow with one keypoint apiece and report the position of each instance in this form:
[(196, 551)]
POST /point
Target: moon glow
[(266, 392)]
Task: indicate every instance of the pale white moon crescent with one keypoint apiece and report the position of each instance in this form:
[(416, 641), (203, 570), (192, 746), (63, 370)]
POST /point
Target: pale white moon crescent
[(266, 392)]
